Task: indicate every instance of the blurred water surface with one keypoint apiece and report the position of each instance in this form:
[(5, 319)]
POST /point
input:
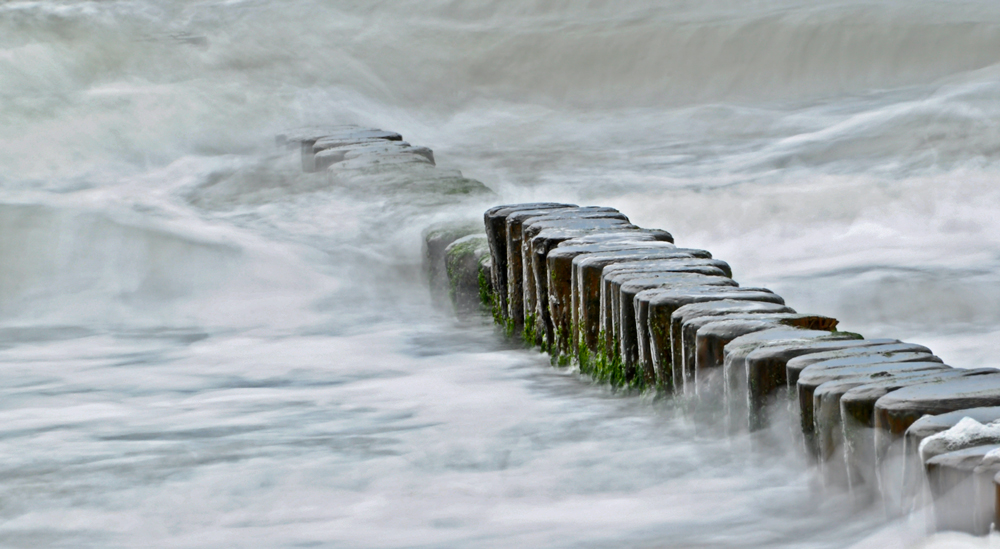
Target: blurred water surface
[(204, 347)]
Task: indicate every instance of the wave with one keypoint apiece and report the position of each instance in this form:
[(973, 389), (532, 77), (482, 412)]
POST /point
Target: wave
[(446, 52), (677, 54), (93, 268)]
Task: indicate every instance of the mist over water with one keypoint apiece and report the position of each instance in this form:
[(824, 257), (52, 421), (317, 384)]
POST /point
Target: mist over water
[(205, 347)]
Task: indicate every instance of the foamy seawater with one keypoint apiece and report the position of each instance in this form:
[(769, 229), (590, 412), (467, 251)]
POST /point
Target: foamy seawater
[(205, 347)]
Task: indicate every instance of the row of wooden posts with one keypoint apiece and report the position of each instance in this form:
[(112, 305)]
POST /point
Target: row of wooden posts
[(885, 418), (624, 304)]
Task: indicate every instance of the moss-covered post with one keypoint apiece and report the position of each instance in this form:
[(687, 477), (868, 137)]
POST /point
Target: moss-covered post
[(464, 259), (436, 239)]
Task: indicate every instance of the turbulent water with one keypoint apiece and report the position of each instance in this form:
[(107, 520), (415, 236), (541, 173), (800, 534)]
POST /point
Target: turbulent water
[(204, 347)]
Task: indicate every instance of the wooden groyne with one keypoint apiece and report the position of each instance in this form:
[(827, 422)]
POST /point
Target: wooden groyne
[(628, 306)]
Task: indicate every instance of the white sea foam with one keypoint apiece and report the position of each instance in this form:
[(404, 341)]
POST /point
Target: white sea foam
[(964, 434)]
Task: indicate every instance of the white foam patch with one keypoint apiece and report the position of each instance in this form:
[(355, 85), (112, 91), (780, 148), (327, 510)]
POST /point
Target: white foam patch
[(964, 434)]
